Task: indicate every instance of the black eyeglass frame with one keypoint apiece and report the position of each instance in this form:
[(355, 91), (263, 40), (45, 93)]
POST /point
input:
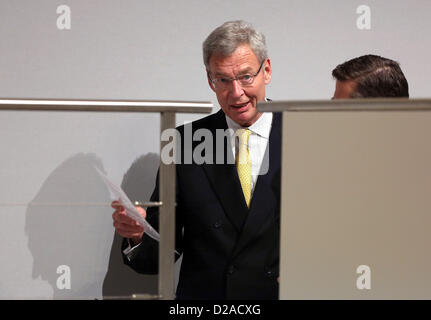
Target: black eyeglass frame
[(238, 78)]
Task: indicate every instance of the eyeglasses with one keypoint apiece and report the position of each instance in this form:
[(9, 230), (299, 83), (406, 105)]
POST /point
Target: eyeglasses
[(245, 80)]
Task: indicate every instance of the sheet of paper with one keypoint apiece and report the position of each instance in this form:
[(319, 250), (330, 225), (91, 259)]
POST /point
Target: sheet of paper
[(131, 211)]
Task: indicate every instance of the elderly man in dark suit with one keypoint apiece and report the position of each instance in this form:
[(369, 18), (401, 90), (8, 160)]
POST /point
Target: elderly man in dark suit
[(227, 213)]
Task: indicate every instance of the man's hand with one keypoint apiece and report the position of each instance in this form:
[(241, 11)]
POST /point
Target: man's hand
[(126, 226)]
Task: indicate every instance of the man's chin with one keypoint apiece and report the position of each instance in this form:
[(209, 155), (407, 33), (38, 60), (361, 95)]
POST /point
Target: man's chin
[(244, 119)]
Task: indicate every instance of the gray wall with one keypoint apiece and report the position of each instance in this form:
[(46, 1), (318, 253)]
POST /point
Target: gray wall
[(134, 49)]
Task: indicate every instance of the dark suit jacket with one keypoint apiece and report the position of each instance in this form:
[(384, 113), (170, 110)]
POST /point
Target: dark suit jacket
[(229, 251)]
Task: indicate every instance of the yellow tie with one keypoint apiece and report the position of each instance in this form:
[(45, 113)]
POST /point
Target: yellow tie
[(243, 164)]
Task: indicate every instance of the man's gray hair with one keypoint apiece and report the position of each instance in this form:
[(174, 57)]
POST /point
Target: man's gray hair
[(225, 39)]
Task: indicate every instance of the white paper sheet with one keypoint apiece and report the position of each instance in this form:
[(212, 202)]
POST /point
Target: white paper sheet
[(120, 195)]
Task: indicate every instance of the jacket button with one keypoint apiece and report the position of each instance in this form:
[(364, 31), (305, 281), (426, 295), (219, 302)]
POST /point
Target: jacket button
[(269, 273), (231, 270), (217, 224)]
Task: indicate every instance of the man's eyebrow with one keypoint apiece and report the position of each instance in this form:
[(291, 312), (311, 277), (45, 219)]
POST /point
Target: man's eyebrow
[(246, 70), (219, 74)]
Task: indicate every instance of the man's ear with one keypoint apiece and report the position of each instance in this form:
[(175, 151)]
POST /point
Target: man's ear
[(209, 81), (267, 71)]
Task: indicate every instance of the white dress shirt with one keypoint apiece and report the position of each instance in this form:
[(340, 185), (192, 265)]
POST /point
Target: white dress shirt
[(257, 144)]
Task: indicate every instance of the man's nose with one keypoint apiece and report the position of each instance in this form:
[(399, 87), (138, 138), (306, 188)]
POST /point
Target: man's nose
[(236, 89)]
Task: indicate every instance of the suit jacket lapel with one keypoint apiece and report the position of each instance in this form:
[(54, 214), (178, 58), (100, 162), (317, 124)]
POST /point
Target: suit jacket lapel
[(224, 179)]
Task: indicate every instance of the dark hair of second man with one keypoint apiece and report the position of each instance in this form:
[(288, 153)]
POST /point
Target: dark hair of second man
[(374, 76)]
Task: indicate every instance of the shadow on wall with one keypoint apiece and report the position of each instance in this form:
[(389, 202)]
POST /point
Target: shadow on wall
[(121, 281), (70, 243)]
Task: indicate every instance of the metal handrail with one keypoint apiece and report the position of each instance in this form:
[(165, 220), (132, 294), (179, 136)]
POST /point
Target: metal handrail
[(376, 104), (167, 110), (106, 105)]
